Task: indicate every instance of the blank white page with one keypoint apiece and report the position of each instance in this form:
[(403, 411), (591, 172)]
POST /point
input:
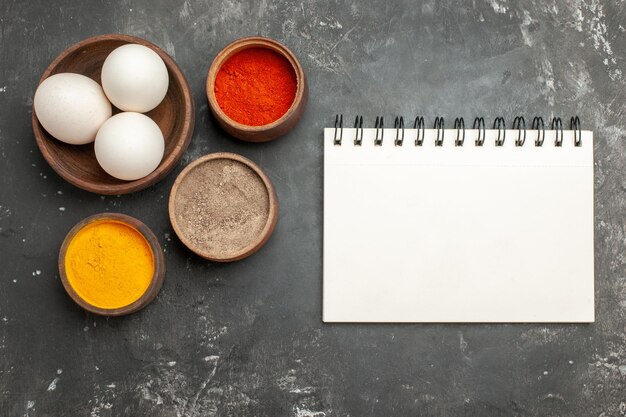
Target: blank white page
[(458, 233)]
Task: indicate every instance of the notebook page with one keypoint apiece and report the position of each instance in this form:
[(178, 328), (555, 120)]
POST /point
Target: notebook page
[(458, 233)]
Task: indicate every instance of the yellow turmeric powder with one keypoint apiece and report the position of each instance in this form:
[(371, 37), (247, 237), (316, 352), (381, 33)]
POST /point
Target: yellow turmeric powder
[(109, 264)]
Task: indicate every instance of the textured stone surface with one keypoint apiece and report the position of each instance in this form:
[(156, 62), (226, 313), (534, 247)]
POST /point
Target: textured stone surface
[(247, 338)]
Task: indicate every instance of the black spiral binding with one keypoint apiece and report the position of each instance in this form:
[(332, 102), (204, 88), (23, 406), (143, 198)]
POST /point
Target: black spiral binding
[(519, 124), (440, 131), (501, 126), (358, 125), (399, 124), (479, 123), (419, 125), (380, 125), (338, 121), (541, 134), (459, 125), (557, 125), (574, 124)]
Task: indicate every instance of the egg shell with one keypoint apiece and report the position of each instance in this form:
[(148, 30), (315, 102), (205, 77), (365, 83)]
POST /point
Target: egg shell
[(134, 78), (129, 146), (71, 107)]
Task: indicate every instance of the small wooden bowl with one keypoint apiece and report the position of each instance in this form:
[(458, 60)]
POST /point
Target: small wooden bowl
[(275, 129), (77, 164), (255, 244), (159, 264)]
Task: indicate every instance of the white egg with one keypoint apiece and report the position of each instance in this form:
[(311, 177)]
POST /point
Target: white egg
[(134, 78), (71, 107), (129, 146)]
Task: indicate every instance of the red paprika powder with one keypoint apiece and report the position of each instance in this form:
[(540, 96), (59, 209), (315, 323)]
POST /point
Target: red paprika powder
[(255, 86)]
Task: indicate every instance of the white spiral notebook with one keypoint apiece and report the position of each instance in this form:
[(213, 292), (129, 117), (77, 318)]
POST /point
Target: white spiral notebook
[(433, 227)]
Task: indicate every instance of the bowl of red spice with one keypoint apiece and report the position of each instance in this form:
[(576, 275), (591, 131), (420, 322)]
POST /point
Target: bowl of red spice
[(257, 89)]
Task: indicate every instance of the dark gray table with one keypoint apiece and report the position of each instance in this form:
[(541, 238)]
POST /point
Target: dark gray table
[(246, 339)]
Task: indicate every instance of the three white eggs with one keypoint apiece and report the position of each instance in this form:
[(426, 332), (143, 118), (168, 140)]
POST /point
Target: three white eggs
[(75, 109)]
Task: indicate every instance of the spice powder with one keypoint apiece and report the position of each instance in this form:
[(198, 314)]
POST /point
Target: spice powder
[(109, 264), (255, 86), (222, 207)]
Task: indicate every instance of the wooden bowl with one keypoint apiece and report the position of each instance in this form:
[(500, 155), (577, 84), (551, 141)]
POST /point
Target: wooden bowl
[(275, 129), (77, 164), (159, 264), (184, 188)]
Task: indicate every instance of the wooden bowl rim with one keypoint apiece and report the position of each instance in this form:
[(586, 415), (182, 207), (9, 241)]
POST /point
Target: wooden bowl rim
[(252, 42), (166, 165), (272, 215), (159, 264)]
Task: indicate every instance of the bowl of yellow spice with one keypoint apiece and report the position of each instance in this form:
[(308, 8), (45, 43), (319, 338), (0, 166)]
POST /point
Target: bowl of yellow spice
[(111, 264)]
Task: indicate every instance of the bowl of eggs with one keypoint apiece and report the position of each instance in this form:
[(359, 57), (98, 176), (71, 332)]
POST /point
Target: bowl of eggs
[(113, 114)]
